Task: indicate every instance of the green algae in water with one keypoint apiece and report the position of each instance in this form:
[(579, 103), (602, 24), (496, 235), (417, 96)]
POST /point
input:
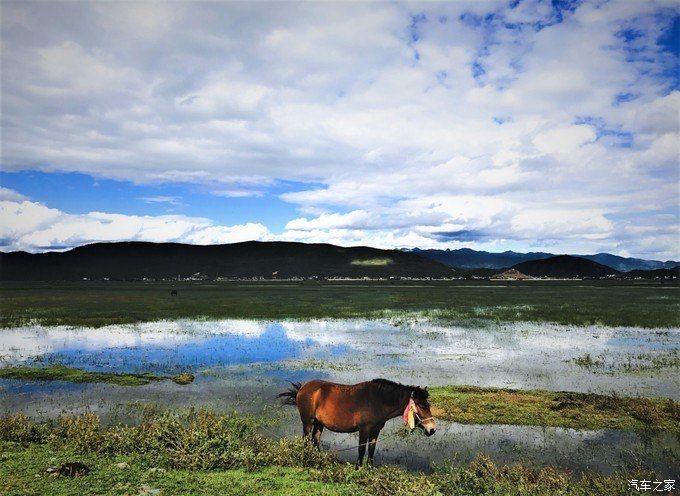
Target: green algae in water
[(70, 374)]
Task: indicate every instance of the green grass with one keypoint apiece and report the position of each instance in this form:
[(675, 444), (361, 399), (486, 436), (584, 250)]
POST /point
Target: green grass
[(209, 454), (96, 304), (475, 405), (22, 472), (69, 374)]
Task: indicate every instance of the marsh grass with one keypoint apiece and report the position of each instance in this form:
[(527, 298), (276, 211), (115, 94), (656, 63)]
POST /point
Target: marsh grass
[(316, 364), (70, 374), (204, 453), (588, 361), (96, 304), (183, 378), (477, 405), (645, 362), (632, 364)]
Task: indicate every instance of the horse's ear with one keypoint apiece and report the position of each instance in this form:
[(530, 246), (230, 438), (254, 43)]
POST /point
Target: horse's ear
[(425, 388)]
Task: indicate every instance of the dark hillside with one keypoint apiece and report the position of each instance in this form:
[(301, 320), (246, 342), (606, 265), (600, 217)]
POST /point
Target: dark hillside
[(137, 260), (563, 266), (661, 274), (466, 258)]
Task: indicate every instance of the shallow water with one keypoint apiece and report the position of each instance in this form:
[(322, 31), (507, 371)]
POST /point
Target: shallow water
[(242, 364)]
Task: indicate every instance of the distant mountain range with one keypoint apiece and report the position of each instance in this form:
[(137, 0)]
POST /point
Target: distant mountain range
[(138, 260), (253, 259), (466, 258)]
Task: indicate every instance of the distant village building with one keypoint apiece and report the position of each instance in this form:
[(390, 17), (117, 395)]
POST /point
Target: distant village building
[(511, 275)]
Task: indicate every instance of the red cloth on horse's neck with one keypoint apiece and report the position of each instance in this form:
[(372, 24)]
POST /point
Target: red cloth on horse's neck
[(410, 405)]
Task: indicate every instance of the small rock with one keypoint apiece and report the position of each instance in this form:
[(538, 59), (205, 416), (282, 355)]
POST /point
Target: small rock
[(156, 470), (69, 469), (122, 465), (149, 490)]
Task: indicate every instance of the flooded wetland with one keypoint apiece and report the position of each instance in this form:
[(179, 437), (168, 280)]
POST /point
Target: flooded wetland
[(579, 398), (242, 365)]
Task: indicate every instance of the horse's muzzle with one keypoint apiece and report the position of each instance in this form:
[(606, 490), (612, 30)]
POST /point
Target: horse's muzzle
[(429, 431)]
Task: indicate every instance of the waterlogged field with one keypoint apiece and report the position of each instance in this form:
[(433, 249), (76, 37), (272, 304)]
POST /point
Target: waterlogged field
[(575, 386), (241, 365)]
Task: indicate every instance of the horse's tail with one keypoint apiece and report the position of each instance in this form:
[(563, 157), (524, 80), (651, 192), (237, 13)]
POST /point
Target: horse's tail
[(290, 395)]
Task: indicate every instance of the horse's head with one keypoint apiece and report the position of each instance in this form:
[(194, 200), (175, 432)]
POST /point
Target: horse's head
[(424, 418)]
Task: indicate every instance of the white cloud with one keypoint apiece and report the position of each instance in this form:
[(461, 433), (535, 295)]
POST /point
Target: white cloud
[(31, 226), (11, 195), (564, 140), (172, 200), (237, 193), (661, 116), (477, 119), (437, 222)]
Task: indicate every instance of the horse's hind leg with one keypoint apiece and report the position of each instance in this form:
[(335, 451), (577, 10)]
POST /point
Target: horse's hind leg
[(317, 430), (307, 426)]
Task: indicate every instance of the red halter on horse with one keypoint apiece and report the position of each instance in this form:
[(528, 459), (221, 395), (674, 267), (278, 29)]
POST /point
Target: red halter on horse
[(363, 407)]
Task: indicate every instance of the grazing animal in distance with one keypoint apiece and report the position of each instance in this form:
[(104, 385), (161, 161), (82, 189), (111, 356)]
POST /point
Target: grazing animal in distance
[(173, 292), (363, 407)]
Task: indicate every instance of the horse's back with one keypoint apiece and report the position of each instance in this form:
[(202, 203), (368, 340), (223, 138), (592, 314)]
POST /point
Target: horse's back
[(319, 387), (311, 392), (337, 406)]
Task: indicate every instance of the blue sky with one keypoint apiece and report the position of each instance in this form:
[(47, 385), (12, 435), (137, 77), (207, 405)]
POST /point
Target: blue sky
[(79, 193), (491, 125)]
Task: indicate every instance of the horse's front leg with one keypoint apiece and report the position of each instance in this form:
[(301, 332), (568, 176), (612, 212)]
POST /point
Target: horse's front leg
[(363, 437), (372, 441)]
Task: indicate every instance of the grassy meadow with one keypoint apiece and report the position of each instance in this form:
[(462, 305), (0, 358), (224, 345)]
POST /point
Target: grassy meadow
[(203, 453), (96, 304), (477, 405)]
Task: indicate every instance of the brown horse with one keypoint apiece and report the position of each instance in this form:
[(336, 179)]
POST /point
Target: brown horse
[(363, 407)]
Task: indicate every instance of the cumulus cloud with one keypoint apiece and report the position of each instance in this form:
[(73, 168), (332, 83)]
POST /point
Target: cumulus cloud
[(11, 195), (432, 223), (32, 226), (449, 124)]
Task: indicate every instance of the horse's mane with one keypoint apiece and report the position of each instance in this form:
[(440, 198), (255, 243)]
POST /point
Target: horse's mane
[(391, 386)]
